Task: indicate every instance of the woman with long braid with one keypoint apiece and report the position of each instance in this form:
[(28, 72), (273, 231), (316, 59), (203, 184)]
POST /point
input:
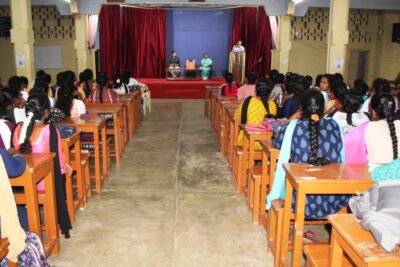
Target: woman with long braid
[(382, 135), (349, 117), (34, 136), (102, 93), (229, 88), (254, 109), (316, 141)]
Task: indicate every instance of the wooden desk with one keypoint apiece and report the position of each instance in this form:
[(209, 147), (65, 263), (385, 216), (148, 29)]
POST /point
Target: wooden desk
[(118, 128), (96, 126), (358, 244), (270, 156), (333, 178), (131, 112), (218, 111), (207, 97), (249, 140), (3, 248), (40, 166), (233, 135), (74, 142), (232, 106)]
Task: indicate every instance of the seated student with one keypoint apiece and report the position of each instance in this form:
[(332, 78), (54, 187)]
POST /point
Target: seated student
[(39, 74), (277, 91), (57, 85), (84, 83), (349, 117), (34, 136), (254, 109), (314, 140), (132, 82), (335, 93), (68, 102), (229, 88), (119, 85), (248, 89), (42, 87), (101, 92), (378, 85), (15, 166), (24, 87), (70, 78), (295, 86), (13, 101), (6, 126), (325, 84), (361, 87)]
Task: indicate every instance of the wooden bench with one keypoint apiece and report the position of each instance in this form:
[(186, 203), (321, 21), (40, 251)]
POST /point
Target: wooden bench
[(349, 238), (233, 136), (224, 127), (318, 255), (39, 166), (334, 178), (207, 98)]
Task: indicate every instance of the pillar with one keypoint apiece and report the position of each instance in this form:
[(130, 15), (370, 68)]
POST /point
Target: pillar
[(285, 43), (23, 38), (84, 56), (338, 36)]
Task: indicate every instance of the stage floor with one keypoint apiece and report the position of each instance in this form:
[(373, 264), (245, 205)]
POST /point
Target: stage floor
[(179, 89)]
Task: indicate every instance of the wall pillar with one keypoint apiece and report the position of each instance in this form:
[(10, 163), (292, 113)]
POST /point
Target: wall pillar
[(285, 43), (338, 36), (84, 56), (23, 38)]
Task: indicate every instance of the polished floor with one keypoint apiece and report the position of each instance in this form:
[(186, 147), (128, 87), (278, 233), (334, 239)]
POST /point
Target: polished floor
[(172, 203)]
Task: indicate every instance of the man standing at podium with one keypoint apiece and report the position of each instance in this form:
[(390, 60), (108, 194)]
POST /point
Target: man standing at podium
[(238, 47)]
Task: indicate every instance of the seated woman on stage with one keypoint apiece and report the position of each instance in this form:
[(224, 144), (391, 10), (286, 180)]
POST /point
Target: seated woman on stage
[(101, 92), (229, 88), (254, 109), (311, 139), (34, 136), (206, 64)]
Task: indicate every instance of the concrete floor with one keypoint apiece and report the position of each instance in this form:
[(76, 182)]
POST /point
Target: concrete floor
[(172, 203)]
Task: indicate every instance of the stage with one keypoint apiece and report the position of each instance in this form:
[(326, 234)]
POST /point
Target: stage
[(179, 89)]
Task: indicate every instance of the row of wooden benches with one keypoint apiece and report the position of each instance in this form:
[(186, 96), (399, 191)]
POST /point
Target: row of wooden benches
[(109, 128), (254, 182)]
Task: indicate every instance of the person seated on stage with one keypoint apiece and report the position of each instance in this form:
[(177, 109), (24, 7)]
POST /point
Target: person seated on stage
[(206, 64), (238, 47), (229, 88), (35, 136), (254, 109), (315, 140), (101, 93), (174, 64), (248, 89)]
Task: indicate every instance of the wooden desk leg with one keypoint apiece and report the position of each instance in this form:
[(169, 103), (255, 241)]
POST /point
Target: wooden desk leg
[(286, 224), (50, 211), (117, 140), (243, 171), (79, 174), (263, 185), (32, 207), (250, 165), (97, 164), (125, 127), (298, 228), (336, 251), (231, 143), (106, 154)]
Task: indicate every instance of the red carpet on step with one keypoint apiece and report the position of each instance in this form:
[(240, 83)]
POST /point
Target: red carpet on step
[(182, 89)]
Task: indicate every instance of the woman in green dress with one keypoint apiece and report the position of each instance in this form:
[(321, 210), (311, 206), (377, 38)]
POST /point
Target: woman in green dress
[(206, 64)]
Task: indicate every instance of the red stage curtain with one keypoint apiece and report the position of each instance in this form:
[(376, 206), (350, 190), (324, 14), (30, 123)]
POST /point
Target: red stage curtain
[(110, 39), (133, 38), (251, 26)]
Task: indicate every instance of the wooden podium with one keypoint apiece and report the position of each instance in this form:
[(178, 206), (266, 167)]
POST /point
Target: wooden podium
[(237, 65)]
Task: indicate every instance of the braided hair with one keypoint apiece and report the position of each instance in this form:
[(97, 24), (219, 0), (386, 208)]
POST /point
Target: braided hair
[(312, 107), (35, 108), (383, 104), (351, 102), (102, 81), (263, 90)]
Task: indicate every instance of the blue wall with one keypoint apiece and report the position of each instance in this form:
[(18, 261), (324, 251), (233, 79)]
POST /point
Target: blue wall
[(192, 32)]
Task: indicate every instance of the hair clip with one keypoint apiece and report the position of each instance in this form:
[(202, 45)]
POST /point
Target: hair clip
[(315, 117)]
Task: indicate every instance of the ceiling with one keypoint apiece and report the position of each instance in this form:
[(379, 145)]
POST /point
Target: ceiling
[(273, 7)]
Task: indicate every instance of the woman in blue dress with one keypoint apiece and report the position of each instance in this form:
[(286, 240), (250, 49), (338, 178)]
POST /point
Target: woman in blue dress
[(317, 141), (206, 64)]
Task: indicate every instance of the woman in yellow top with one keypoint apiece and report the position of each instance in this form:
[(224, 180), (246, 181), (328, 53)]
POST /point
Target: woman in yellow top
[(254, 109)]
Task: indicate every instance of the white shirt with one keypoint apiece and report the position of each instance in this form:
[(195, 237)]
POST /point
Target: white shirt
[(365, 106), (5, 134), (81, 106), (52, 102), (238, 48), (19, 114), (356, 119), (120, 90)]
